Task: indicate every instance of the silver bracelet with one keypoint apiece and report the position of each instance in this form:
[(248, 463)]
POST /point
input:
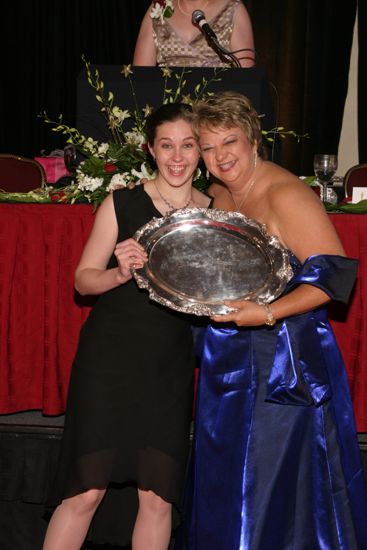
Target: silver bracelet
[(270, 320)]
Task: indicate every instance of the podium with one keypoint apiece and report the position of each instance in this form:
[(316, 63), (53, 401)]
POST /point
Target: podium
[(148, 85)]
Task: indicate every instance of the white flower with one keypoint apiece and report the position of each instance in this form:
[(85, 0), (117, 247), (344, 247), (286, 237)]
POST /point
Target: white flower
[(157, 12), (87, 183), (102, 149), (144, 173), (90, 145), (118, 181), (119, 114), (161, 10), (134, 138)]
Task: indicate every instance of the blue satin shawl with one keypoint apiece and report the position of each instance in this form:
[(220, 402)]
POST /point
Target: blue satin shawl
[(299, 375)]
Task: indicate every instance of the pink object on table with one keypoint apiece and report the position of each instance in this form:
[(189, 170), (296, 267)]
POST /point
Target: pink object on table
[(54, 167)]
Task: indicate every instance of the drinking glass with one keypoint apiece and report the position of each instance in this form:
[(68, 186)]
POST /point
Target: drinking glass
[(325, 167)]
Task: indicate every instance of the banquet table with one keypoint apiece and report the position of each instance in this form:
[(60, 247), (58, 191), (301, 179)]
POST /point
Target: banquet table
[(41, 313)]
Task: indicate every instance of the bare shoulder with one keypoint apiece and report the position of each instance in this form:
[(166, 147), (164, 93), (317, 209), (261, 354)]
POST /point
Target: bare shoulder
[(145, 54), (298, 216), (105, 219), (241, 11), (285, 190), (102, 239), (106, 207), (243, 37)]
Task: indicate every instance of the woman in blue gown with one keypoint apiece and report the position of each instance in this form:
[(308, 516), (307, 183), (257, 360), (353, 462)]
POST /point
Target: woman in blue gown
[(276, 463)]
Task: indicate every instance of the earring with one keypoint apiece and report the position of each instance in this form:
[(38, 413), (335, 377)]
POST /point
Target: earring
[(255, 159)]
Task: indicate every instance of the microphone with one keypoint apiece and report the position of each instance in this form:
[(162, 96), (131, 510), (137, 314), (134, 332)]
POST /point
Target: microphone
[(198, 19)]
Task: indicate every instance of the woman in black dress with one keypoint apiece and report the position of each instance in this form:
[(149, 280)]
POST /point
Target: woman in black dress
[(130, 393)]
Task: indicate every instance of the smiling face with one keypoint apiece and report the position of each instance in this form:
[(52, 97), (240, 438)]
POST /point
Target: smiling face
[(176, 152), (227, 154)]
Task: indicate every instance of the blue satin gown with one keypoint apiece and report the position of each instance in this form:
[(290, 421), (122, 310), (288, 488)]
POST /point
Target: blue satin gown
[(276, 463)]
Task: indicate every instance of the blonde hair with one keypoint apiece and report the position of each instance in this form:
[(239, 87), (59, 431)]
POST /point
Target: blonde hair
[(227, 110)]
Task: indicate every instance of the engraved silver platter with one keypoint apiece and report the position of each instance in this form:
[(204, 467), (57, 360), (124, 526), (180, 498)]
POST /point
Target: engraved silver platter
[(199, 257)]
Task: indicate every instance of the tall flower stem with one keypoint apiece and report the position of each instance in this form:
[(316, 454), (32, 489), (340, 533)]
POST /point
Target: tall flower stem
[(106, 102)]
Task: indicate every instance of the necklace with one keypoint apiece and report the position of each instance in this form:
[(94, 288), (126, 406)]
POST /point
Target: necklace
[(171, 207), (185, 12), (249, 187)]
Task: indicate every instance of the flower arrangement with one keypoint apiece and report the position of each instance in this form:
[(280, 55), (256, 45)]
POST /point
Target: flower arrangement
[(161, 9), (124, 160)]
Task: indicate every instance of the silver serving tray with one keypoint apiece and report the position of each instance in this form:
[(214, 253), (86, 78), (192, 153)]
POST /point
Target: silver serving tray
[(199, 257)]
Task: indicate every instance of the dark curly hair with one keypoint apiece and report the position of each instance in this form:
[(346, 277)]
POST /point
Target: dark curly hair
[(166, 113)]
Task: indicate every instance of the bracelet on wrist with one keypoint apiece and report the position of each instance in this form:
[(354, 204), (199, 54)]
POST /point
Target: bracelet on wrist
[(270, 320)]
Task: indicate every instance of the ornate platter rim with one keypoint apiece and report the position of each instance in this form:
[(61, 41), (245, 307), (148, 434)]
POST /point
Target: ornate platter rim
[(220, 221)]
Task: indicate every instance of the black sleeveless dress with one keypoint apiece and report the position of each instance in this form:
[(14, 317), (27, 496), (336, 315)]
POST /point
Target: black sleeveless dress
[(131, 387)]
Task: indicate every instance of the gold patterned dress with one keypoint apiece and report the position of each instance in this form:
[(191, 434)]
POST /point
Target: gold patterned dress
[(175, 51)]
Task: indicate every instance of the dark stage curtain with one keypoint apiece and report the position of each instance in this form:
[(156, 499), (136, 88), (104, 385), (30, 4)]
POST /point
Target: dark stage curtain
[(42, 42), (305, 47)]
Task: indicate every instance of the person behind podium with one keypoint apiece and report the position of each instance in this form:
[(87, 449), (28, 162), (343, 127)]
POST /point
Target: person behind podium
[(131, 388), (277, 464), (176, 42)]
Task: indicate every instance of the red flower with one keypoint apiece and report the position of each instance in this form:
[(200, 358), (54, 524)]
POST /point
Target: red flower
[(110, 168), (58, 196)]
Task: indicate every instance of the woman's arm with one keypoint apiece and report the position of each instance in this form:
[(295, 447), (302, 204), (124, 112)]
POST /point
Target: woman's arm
[(145, 52), (91, 276), (303, 298), (243, 38)]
